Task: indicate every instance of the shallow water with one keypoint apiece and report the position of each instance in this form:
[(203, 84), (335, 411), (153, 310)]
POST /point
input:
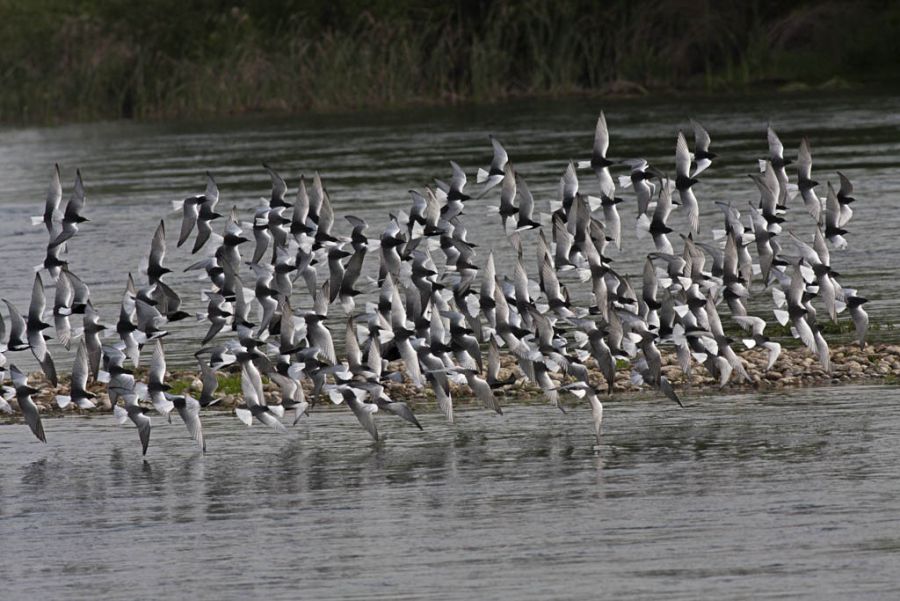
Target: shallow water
[(790, 495), (133, 171)]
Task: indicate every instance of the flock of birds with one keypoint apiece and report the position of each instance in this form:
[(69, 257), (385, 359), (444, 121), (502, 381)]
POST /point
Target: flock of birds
[(447, 320)]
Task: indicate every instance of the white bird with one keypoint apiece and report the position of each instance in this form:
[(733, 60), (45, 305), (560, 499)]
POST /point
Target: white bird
[(254, 399), (702, 156), (138, 416), (585, 390), (27, 406), (188, 409), (78, 393), (756, 326), (495, 173)]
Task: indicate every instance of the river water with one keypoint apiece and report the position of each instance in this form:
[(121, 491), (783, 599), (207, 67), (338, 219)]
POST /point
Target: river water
[(790, 495), (132, 172)]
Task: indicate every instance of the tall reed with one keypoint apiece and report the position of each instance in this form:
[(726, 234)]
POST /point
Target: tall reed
[(87, 59)]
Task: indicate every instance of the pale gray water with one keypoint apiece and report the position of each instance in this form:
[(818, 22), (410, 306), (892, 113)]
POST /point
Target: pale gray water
[(791, 495), (133, 171)]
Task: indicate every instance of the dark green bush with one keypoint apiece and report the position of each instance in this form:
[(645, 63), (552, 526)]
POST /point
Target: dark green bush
[(87, 59)]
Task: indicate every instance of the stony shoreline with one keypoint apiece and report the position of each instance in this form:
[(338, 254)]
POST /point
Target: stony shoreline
[(795, 368)]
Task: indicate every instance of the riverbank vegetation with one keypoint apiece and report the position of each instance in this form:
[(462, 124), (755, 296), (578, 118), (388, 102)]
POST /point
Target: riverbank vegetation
[(86, 59)]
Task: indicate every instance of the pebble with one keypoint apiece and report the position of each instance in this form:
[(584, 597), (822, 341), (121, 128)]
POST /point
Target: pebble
[(795, 367)]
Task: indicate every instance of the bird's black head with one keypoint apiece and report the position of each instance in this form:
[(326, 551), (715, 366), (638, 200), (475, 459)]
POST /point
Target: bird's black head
[(52, 261)]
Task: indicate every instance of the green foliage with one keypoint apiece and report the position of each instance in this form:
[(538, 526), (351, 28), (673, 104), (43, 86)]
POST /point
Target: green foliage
[(180, 386), (85, 59), (229, 383)]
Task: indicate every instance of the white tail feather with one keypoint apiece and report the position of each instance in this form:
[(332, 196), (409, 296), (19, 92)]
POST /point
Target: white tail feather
[(581, 338), (244, 415), (120, 414), (807, 273), (778, 298), (781, 316), (642, 227)]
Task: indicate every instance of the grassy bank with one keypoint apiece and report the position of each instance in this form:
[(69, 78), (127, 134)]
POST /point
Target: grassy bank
[(86, 59)]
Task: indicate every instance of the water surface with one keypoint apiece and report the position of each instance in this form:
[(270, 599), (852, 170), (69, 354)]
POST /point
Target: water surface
[(789, 495)]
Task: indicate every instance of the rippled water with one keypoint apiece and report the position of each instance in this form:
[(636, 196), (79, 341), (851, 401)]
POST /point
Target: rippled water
[(787, 495), (790, 495), (133, 171)]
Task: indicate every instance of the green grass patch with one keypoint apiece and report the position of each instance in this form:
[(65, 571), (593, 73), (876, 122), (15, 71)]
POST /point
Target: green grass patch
[(229, 384), (180, 386)]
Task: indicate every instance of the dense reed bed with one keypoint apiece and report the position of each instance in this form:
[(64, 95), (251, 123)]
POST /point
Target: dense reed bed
[(87, 59)]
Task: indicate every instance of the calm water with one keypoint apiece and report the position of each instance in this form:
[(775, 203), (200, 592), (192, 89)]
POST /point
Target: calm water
[(790, 495), (133, 171), (735, 497)]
